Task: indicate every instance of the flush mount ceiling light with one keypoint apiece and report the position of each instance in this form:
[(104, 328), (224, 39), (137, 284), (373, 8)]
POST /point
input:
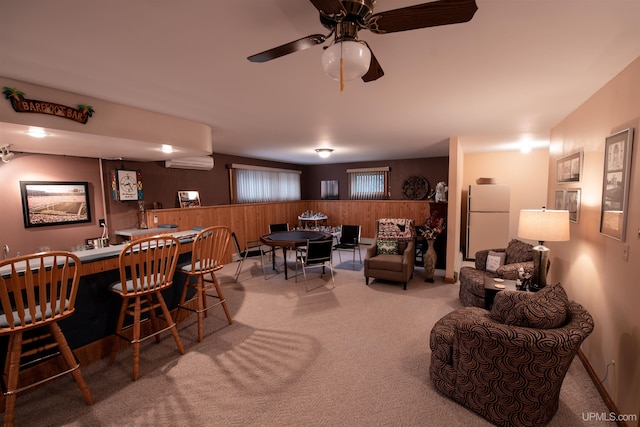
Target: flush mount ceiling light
[(5, 154), (324, 152)]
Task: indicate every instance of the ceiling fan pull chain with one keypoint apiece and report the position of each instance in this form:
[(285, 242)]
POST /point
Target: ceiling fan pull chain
[(341, 76)]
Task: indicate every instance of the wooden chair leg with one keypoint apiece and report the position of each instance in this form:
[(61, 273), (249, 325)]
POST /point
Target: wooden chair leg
[(174, 328), (11, 373), (136, 338), (223, 300), (68, 356), (151, 306), (119, 326)]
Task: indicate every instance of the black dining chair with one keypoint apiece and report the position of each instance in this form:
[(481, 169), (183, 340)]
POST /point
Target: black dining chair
[(350, 241), (316, 254), (253, 248), (273, 228)]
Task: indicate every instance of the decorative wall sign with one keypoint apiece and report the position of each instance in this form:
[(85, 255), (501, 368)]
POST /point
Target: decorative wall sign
[(54, 203), (22, 105), (126, 185), (615, 184)]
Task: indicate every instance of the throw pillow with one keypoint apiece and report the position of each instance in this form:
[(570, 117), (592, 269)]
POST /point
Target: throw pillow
[(494, 260), (388, 247), (545, 309), (518, 251)]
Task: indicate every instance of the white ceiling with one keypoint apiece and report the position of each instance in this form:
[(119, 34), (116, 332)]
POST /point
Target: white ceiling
[(516, 69)]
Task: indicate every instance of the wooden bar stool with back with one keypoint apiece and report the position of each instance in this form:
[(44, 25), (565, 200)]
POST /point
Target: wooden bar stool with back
[(207, 256), (147, 267), (37, 291)]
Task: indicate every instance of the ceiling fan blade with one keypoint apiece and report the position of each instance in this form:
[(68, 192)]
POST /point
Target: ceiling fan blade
[(287, 48), (443, 12), (329, 7), (375, 70)]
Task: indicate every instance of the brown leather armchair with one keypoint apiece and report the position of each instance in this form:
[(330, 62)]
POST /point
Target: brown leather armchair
[(384, 262)]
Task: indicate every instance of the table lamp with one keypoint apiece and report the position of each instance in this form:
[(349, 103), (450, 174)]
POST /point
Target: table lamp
[(542, 225)]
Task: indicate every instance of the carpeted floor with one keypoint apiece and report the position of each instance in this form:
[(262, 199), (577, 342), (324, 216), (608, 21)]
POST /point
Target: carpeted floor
[(348, 356)]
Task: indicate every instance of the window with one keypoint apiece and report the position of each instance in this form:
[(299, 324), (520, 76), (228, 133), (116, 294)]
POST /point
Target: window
[(253, 184), (368, 184)]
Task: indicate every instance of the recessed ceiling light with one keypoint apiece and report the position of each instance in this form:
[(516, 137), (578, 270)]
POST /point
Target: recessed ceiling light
[(37, 132)]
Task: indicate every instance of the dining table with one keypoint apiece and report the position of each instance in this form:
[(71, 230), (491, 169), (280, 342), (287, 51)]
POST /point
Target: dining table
[(291, 240)]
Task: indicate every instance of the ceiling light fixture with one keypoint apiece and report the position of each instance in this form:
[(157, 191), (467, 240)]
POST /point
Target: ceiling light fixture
[(37, 133), (324, 152), (5, 154), (349, 59)]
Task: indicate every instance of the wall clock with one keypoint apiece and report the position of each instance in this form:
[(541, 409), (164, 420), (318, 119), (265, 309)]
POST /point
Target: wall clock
[(126, 185), (415, 187)]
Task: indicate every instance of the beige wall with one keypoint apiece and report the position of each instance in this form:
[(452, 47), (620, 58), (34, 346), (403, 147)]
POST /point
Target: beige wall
[(591, 265), (526, 174)]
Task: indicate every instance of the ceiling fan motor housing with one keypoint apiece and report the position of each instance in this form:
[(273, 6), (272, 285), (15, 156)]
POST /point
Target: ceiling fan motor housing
[(358, 11)]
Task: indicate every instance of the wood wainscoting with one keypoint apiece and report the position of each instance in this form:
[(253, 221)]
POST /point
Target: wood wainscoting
[(250, 221)]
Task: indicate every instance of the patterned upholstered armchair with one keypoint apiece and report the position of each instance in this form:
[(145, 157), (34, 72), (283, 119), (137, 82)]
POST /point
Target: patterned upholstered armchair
[(517, 254), (508, 365), (392, 255)]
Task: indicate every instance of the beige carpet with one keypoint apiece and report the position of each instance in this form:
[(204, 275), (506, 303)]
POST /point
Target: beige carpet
[(349, 356)]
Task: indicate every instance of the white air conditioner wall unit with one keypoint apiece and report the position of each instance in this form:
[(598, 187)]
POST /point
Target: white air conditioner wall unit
[(198, 163)]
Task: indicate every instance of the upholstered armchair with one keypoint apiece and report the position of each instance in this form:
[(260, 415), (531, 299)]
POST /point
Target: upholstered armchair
[(508, 365), (503, 263), (392, 254)]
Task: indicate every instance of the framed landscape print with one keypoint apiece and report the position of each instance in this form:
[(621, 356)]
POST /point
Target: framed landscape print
[(54, 203), (569, 168), (615, 184)]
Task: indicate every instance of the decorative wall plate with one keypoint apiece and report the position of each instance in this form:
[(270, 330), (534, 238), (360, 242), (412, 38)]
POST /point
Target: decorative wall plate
[(415, 187)]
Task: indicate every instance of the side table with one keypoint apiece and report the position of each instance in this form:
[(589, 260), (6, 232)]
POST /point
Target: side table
[(490, 289)]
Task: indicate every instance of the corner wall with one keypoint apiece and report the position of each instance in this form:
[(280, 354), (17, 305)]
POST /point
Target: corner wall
[(591, 266)]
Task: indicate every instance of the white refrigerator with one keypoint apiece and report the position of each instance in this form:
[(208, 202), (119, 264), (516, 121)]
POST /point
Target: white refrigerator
[(487, 218)]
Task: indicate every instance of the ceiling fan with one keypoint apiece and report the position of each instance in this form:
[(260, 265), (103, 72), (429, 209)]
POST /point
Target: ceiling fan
[(349, 58)]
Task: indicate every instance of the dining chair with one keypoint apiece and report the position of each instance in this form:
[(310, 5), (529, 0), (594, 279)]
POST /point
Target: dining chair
[(349, 240), (252, 248), (208, 253), (273, 228), (316, 254), (147, 267), (36, 292)]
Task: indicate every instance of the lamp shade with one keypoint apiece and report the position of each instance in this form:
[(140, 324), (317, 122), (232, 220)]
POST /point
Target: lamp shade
[(544, 225), (356, 60)]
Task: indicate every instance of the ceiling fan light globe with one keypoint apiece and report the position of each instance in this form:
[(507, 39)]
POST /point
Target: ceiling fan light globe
[(356, 60)]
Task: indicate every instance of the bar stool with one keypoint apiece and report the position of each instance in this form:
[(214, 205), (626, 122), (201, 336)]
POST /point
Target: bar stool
[(147, 267), (207, 256), (37, 291)]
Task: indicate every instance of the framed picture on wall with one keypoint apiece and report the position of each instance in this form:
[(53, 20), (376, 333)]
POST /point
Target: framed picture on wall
[(572, 203), (329, 189), (54, 203), (615, 184), (569, 168), (189, 199), (559, 203)]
